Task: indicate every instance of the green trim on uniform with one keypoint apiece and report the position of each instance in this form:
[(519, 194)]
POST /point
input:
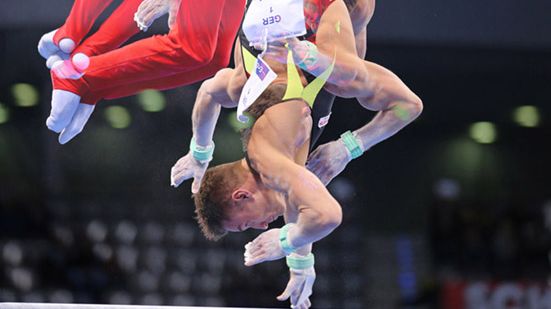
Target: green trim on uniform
[(294, 83), (248, 59), (312, 89), (295, 89)]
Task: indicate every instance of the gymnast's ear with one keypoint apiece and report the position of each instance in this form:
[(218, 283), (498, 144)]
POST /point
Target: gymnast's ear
[(240, 195)]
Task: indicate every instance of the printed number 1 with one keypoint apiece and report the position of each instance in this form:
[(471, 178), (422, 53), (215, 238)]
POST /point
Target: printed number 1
[(271, 10)]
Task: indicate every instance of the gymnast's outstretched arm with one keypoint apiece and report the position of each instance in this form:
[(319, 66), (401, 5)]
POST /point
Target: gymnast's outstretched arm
[(396, 107), (375, 87), (309, 204), (222, 90), (211, 97)]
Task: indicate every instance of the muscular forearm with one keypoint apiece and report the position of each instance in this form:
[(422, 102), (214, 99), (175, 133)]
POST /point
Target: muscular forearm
[(318, 212), (205, 116), (304, 250), (206, 109), (310, 205), (311, 226), (386, 123), (386, 93), (378, 89)]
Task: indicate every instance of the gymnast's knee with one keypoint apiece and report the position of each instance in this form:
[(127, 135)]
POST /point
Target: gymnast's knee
[(200, 53), (217, 62), (220, 61)]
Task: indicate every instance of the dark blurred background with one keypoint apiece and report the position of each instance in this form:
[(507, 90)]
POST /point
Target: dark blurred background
[(453, 212)]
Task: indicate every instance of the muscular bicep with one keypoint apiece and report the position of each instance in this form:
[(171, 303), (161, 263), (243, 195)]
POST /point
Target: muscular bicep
[(375, 87), (381, 89), (217, 88), (212, 95), (238, 79), (318, 213)]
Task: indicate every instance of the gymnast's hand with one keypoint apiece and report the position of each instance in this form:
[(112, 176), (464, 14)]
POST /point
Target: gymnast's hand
[(186, 168), (328, 160), (299, 287), (265, 247), (150, 10)]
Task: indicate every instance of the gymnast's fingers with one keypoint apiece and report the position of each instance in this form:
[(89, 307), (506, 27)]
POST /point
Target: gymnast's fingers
[(306, 290), (295, 294), (288, 289), (180, 176), (260, 258), (253, 249), (196, 182)]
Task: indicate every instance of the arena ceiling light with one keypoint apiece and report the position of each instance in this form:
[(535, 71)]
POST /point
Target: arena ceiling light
[(527, 116), (152, 101), (4, 114), (483, 132), (25, 95), (118, 117)]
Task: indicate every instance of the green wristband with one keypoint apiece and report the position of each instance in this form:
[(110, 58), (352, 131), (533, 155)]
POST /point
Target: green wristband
[(351, 144), (308, 62), (284, 241), (302, 262), (202, 155)]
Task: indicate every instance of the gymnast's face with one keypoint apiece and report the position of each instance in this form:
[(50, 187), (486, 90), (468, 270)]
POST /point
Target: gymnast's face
[(250, 209)]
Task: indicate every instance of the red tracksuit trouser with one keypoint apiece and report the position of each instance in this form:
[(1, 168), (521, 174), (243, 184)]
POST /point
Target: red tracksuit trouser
[(197, 46)]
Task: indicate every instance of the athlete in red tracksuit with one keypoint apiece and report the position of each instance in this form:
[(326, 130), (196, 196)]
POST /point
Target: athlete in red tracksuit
[(197, 46)]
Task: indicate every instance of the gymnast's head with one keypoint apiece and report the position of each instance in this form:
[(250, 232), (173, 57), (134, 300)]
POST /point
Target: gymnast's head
[(233, 199)]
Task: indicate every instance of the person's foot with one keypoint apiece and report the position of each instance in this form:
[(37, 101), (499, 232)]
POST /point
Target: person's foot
[(64, 106), (53, 52), (79, 120), (72, 68), (68, 115), (72, 106)]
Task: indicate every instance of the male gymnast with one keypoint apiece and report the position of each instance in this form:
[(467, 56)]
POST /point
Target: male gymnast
[(272, 179), (196, 47)]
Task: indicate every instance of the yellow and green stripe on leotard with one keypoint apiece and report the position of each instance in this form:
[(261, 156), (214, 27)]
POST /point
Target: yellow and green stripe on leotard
[(294, 84), (295, 89), (249, 59)]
